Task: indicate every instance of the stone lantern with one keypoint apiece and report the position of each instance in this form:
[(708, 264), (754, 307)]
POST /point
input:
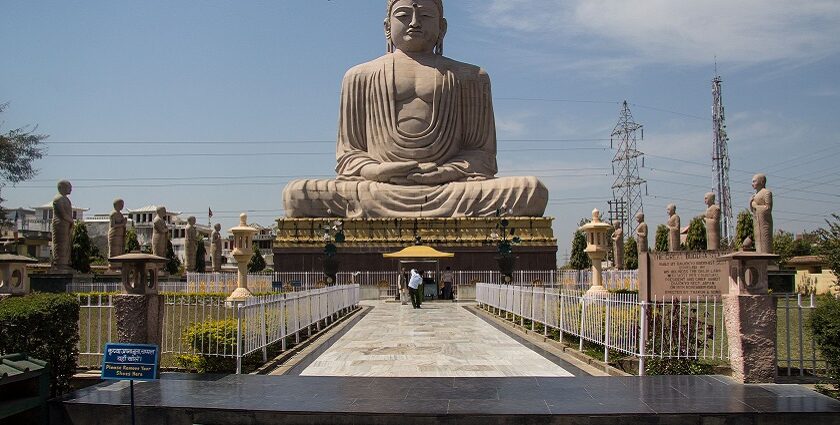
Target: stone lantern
[(139, 272), (139, 311), (597, 235), (13, 279), (243, 249)]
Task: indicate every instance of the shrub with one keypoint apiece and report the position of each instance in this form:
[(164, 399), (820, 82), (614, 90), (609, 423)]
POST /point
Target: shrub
[(825, 323), (661, 239), (82, 248), (666, 366), (631, 254), (46, 327), (218, 336), (696, 238)]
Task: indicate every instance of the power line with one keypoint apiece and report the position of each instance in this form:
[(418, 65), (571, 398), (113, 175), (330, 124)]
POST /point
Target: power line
[(275, 142), (253, 154)]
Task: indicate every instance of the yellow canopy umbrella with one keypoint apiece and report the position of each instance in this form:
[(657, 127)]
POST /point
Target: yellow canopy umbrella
[(419, 252)]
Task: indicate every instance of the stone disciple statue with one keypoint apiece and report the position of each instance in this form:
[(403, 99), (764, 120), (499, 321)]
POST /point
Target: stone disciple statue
[(712, 223), (62, 227), (160, 233), (761, 205), (116, 230), (618, 245), (190, 245), (641, 233), (673, 229), (416, 134), (216, 248)]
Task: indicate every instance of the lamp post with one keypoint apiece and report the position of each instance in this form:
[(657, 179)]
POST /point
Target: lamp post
[(243, 249), (596, 248)]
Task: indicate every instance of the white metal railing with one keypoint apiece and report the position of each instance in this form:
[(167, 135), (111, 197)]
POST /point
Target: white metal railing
[(796, 348), (97, 326), (219, 283), (220, 329), (671, 328)]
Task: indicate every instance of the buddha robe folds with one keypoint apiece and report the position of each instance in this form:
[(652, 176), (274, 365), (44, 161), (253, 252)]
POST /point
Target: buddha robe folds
[(461, 137)]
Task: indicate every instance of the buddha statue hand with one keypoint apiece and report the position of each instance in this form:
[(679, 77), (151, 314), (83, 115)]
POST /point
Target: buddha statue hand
[(436, 176), (390, 172)]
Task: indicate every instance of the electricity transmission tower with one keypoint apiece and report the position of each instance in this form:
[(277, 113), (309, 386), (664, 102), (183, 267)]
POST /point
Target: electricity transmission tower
[(627, 187), (720, 160)]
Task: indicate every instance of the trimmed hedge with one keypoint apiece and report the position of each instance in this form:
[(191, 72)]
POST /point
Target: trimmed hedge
[(46, 327), (825, 322)]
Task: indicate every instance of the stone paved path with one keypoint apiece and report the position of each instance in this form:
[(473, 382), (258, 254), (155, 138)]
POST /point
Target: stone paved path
[(439, 340)]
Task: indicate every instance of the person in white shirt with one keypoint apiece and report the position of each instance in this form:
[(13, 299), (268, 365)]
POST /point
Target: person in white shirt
[(413, 284)]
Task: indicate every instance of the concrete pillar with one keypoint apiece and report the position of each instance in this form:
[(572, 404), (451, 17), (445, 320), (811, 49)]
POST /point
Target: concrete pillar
[(750, 314)]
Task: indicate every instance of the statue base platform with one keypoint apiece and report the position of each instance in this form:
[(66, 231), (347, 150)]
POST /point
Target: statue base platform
[(299, 246)]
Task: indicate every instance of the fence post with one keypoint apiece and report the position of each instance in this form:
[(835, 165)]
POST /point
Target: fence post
[(239, 340), (545, 312), (264, 341), (607, 330), (582, 319), (533, 318), (643, 337), (283, 319)]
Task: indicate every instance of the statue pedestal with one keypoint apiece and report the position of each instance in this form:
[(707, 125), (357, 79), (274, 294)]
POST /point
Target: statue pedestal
[(139, 318), (299, 246), (750, 314)]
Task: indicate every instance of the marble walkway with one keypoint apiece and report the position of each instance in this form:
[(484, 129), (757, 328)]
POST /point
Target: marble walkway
[(438, 340)]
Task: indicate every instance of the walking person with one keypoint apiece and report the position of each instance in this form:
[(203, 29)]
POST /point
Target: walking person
[(413, 284), (448, 279)]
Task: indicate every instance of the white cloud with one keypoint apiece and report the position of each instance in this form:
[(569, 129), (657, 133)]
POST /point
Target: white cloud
[(738, 32)]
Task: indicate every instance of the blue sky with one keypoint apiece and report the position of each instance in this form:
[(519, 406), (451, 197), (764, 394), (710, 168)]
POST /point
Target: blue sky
[(261, 79)]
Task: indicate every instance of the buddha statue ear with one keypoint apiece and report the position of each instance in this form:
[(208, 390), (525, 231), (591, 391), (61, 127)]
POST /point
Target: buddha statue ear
[(439, 45), (389, 46)]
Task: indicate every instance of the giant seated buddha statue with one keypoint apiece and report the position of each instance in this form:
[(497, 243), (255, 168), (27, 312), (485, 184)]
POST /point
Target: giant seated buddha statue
[(416, 135)]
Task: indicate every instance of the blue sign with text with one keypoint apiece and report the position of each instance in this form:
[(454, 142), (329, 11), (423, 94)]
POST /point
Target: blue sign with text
[(130, 362)]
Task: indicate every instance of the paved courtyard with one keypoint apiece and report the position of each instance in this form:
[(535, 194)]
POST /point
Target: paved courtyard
[(439, 340)]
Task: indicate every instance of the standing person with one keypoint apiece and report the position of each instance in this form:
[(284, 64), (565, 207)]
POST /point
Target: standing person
[(414, 283), (403, 284), (421, 291), (448, 278)]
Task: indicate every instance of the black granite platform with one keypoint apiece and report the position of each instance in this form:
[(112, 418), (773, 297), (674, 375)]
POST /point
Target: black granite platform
[(222, 400)]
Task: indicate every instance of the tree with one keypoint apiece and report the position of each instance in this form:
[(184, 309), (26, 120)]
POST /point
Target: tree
[(631, 254), (787, 246), (744, 229), (696, 238), (173, 264), (829, 246), (579, 260), (661, 238), (82, 248), (200, 254), (257, 263), (131, 242), (19, 148)]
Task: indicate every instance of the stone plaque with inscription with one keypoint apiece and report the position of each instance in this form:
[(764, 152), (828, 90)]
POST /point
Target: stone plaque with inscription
[(682, 274)]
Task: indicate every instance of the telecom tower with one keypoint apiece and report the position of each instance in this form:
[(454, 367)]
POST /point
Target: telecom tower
[(720, 161), (627, 188)]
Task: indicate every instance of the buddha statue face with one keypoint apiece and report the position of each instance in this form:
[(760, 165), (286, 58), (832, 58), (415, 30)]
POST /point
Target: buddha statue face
[(416, 26)]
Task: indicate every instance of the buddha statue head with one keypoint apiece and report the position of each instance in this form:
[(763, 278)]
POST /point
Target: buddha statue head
[(415, 26)]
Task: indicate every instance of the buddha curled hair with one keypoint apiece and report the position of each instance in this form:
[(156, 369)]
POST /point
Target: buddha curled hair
[(390, 46)]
